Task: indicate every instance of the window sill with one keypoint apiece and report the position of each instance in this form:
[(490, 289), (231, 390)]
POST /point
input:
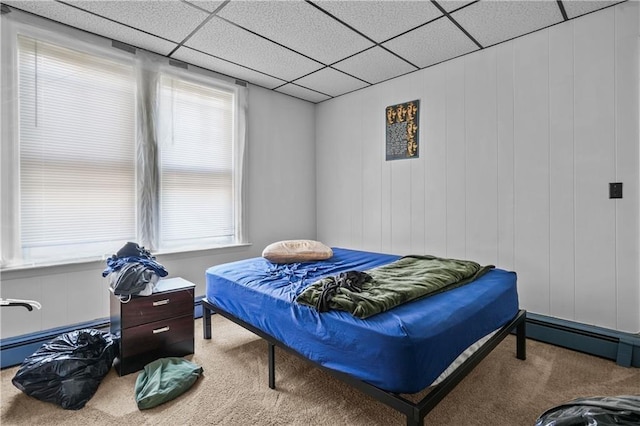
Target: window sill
[(226, 247), (93, 263)]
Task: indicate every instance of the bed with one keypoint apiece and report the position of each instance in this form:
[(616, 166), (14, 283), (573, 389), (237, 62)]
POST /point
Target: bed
[(432, 342)]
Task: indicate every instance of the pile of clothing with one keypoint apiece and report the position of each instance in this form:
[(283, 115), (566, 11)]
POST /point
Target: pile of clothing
[(351, 280), (133, 271)]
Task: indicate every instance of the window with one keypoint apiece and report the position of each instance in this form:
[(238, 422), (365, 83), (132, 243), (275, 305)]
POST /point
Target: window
[(108, 151), (76, 150), (196, 164)]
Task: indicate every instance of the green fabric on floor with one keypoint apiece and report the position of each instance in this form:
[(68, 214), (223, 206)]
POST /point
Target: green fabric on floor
[(163, 380)]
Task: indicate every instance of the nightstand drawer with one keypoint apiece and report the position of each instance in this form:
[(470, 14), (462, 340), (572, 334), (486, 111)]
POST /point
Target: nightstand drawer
[(145, 309), (156, 335), (156, 326)]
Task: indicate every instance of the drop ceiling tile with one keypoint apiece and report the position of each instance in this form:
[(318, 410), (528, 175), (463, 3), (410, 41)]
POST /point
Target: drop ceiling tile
[(331, 82), (576, 8), (492, 22), (432, 43), (302, 93), (200, 59), (94, 24), (381, 20), (374, 65), (450, 5), (209, 6), (299, 26), (169, 19), (226, 41)]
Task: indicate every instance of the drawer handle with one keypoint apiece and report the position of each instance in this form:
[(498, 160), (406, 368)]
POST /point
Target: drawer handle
[(161, 302), (161, 330)]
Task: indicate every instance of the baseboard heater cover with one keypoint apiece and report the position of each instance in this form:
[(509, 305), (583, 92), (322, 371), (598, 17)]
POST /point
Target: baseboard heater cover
[(623, 348), (14, 350)]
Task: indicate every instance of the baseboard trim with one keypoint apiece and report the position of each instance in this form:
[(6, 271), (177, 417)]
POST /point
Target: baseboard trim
[(623, 348), (14, 350)]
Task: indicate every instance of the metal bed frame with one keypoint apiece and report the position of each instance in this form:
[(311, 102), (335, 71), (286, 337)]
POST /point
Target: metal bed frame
[(415, 412)]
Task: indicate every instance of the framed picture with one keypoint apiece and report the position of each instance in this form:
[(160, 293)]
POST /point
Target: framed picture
[(401, 122)]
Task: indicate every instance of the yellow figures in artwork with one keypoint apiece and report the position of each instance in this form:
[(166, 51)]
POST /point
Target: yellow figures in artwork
[(391, 115), (401, 113), (412, 145), (412, 148), (412, 128), (411, 111)]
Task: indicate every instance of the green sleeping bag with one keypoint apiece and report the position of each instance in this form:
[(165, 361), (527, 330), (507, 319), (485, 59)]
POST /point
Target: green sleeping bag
[(163, 380)]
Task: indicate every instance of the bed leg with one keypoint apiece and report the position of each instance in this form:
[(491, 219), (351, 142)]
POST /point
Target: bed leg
[(272, 365), (521, 339), (206, 322), (414, 419)]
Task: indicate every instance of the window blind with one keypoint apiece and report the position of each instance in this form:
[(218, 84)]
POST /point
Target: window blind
[(77, 152), (196, 139)]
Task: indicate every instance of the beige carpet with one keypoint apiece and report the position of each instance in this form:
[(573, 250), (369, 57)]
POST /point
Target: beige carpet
[(502, 390)]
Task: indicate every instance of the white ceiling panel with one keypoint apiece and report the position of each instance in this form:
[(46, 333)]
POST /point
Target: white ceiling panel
[(194, 57), (374, 65), (450, 5), (234, 44), (94, 24), (331, 82), (433, 43), (298, 25), (209, 6), (576, 8), (381, 20), (491, 22), (169, 19), (302, 93)]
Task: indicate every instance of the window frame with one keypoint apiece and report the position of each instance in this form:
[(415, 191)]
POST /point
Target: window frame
[(199, 79), (51, 32)]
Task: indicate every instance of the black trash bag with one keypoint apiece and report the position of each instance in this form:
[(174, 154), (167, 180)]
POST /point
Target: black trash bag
[(68, 370), (597, 411)]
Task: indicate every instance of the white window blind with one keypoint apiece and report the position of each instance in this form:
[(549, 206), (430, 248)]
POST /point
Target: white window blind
[(76, 150), (196, 141)]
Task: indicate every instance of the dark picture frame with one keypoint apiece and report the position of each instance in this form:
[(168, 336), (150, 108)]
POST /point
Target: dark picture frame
[(402, 130)]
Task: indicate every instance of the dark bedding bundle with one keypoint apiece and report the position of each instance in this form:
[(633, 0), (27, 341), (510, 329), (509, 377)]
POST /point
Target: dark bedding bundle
[(408, 278), (133, 271)]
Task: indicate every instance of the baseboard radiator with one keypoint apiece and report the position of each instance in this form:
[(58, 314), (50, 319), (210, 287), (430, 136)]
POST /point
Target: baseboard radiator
[(623, 348)]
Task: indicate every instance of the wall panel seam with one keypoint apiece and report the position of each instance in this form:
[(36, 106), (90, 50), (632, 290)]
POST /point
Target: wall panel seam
[(573, 137), (615, 162), (549, 166)]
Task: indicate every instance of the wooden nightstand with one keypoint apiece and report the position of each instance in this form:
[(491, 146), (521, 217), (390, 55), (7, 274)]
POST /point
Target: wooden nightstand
[(156, 326)]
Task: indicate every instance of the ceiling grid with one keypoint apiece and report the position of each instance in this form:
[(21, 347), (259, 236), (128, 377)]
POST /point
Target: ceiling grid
[(314, 50)]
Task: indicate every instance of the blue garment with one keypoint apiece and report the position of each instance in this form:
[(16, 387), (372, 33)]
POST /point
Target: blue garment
[(116, 263), (133, 253)]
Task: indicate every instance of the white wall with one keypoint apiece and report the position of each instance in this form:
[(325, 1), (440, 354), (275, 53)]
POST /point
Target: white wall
[(518, 144), (281, 199)]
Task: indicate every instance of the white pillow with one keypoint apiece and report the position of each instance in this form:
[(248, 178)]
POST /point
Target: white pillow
[(291, 251)]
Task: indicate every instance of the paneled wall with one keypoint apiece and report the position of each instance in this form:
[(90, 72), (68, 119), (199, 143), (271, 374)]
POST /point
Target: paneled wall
[(281, 205), (518, 145)]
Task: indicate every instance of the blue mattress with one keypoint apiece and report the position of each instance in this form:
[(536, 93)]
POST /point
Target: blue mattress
[(402, 350)]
